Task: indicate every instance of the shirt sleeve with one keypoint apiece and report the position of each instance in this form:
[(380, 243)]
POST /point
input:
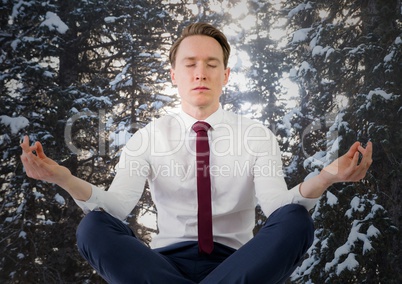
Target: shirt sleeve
[(270, 186), (127, 186)]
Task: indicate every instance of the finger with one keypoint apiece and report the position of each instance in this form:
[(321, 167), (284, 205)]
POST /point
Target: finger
[(28, 165), (354, 170), (353, 149), (34, 166), (367, 152), (25, 163), (355, 159), (25, 144), (39, 150), (368, 149), (365, 162)]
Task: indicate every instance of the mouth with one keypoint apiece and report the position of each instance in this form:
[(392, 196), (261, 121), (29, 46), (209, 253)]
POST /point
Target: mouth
[(201, 88)]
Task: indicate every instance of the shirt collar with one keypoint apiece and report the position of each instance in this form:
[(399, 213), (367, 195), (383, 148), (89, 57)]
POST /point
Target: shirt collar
[(213, 119)]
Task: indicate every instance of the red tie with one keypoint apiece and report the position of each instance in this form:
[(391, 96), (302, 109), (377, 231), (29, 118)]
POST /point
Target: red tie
[(205, 241)]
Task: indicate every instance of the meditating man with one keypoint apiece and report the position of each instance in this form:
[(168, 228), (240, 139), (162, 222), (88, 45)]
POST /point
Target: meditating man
[(207, 169)]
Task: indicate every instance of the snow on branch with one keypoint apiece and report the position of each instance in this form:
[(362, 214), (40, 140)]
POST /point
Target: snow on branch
[(15, 123), (53, 22)]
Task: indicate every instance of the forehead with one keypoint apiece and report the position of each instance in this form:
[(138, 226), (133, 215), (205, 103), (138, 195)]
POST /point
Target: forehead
[(200, 47)]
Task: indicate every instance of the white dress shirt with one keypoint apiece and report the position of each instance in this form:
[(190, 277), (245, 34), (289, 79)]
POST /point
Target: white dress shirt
[(245, 169)]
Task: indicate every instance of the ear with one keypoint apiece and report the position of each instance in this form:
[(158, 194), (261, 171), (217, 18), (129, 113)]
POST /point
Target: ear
[(173, 76), (227, 73)]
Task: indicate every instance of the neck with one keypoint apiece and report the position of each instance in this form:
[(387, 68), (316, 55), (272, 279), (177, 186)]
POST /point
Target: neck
[(200, 113)]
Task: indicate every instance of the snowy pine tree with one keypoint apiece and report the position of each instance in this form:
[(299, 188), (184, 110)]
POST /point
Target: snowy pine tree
[(74, 75), (340, 51)]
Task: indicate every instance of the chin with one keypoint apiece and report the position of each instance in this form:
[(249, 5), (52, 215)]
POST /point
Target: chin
[(203, 103)]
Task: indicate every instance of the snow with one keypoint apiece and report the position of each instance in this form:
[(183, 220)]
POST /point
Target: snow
[(394, 51), (331, 199), (22, 235), (375, 208), (38, 195), (333, 152), (157, 105), (316, 160), (103, 99), (367, 245), (48, 222), (110, 20), (53, 22), (373, 231), (318, 50), (60, 199), (293, 73), (389, 56), (121, 76), (48, 74), (15, 123), (305, 67), (10, 219), (120, 137), (355, 205), (20, 207), (299, 8), (163, 98), (286, 120), (4, 139), (357, 50), (15, 43), (355, 235), (323, 158), (379, 92), (350, 263), (324, 243), (301, 35)]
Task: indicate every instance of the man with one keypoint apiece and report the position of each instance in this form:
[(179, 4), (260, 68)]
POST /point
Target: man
[(207, 169)]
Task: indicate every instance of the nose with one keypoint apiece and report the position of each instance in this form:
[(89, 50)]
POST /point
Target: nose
[(200, 78), (200, 73)]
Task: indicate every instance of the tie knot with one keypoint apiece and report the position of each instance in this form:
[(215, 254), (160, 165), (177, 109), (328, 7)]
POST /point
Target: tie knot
[(201, 126)]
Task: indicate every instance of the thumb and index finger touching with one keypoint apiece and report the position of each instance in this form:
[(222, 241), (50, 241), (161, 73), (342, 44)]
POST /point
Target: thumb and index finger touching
[(37, 147), (361, 159), (357, 148), (39, 150)]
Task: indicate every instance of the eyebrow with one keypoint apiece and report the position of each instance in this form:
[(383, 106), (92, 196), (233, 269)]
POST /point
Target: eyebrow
[(193, 58)]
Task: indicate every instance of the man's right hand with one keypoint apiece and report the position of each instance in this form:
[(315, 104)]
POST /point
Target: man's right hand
[(38, 166), (41, 167)]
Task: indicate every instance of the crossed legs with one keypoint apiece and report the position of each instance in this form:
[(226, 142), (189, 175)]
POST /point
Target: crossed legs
[(270, 257)]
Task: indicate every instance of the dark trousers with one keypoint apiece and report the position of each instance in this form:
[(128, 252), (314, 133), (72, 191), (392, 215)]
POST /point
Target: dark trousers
[(270, 257)]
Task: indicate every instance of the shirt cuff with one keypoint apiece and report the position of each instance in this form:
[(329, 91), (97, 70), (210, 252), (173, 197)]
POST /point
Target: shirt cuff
[(92, 204), (308, 203)]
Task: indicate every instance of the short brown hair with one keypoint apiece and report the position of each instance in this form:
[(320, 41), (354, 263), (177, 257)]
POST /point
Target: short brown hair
[(201, 29)]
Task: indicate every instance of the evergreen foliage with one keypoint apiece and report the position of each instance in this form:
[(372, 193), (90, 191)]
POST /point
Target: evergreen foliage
[(346, 55), (83, 76)]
